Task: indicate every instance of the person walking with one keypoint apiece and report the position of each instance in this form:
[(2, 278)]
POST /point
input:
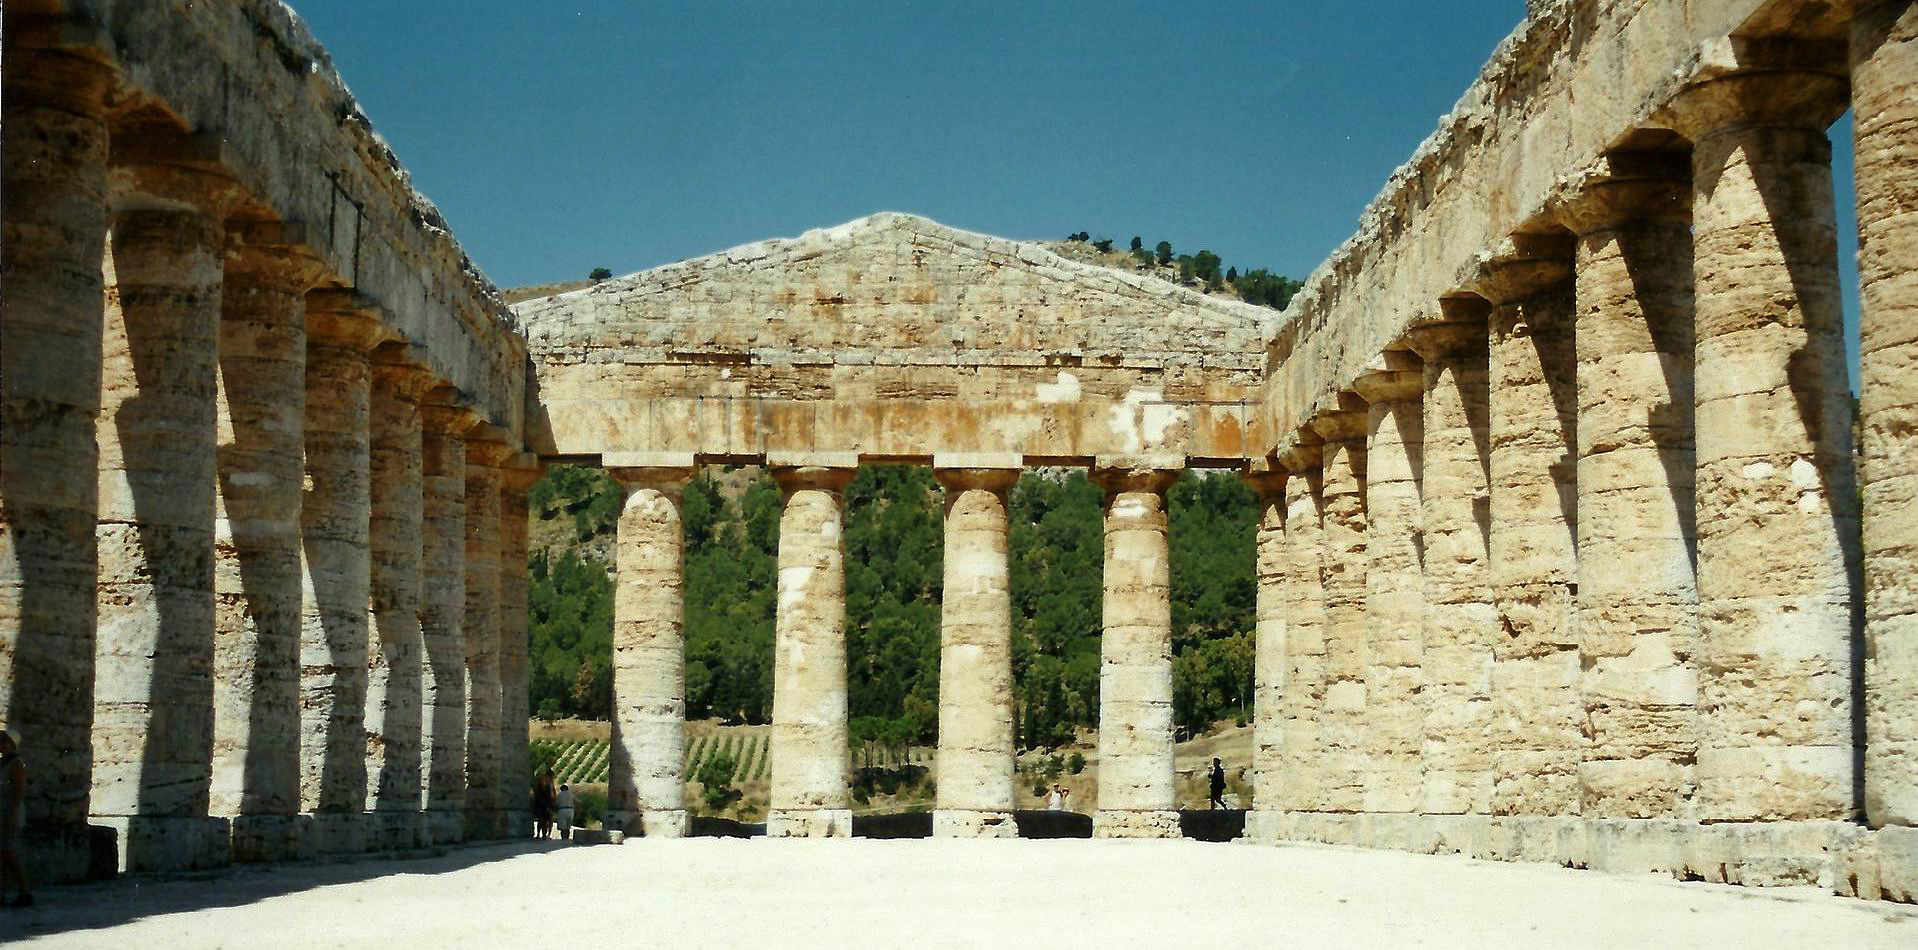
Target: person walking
[(1218, 785), (543, 805), (13, 818), (565, 803)]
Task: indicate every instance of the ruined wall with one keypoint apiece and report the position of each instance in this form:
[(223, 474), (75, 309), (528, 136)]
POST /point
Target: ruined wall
[(892, 337)]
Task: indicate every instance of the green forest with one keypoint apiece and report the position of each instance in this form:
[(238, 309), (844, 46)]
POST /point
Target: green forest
[(892, 538)]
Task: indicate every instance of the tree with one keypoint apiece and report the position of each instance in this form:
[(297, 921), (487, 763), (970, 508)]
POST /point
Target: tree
[(1137, 245), (1232, 275), (1164, 251), (1104, 244), (599, 273)]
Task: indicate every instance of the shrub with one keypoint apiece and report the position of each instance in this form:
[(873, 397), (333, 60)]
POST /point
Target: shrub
[(1103, 244), (715, 776), (589, 807), (599, 273), (1039, 789), (1054, 765), (1076, 763)]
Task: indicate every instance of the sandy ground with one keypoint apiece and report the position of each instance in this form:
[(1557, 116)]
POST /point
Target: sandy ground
[(1074, 893)]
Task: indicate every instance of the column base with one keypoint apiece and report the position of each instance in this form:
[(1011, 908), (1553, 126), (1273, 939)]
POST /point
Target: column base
[(336, 832), (484, 824), (519, 824), (396, 830), (664, 823), (169, 843), (966, 823), (440, 826), (1264, 827), (263, 838), (69, 853), (1113, 823), (809, 823)]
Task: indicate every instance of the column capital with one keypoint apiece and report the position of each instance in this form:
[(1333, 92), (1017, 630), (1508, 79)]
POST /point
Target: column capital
[(60, 62), (345, 318), (1392, 376), (1304, 455), (792, 478), (165, 169), (487, 453), (518, 473), (1761, 82), (272, 252), (1446, 342), (1626, 186), (1267, 477), (996, 480), (667, 478), (400, 367), (438, 418), (1524, 266), (1347, 423)]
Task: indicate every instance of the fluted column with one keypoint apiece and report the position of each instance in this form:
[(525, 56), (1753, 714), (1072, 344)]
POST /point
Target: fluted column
[(515, 762), (1534, 414), (153, 689), (1302, 600), (975, 758), (1778, 548), (335, 522), (647, 792), (1269, 661), (1460, 622), (1637, 587), (53, 227), (1884, 103), (256, 570), (394, 710), (1137, 795), (810, 757), (443, 614), (1394, 589), (1343, 719), (483, 812)]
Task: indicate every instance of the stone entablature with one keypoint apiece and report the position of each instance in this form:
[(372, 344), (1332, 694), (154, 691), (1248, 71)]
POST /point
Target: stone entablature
[(893, 337)]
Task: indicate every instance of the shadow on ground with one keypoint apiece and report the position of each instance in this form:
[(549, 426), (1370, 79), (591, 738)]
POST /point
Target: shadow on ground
[(131, 897), (1221, 825)]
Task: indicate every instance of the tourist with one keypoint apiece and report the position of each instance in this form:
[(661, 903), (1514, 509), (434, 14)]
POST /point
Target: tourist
[(543, 805), (13, 817), (1218, 785), (1056, 800), (565, 802)]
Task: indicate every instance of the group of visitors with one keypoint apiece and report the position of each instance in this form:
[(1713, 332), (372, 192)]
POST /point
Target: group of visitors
[(1056, 796), (549, 806)]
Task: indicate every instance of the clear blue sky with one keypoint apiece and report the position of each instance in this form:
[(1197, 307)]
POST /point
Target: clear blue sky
[(562, 135)]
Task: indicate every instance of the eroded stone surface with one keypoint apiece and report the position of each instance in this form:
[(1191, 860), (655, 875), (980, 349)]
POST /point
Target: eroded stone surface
[(649, 667), (811, 762), (975, 757), (1135, 652)]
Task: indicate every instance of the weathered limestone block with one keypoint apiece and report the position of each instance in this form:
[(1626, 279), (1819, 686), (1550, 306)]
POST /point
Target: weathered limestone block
[(647, 791), (1533, 420), (1302, 599), (256, 571), (810, 757), (1394, 594), (1637, 593), (1460, 621), (1344, 715), (1136, 793), (482, 813), (153, 689), (975, 758), (1270, 661), (1777, 494), (443, 614), (1884, 102), (515, 761), (396, 662), (335, 521), (53, 228)]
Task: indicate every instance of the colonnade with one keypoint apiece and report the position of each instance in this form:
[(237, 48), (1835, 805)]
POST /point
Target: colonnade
[(253, 549), (809, 753), (1585, 543)]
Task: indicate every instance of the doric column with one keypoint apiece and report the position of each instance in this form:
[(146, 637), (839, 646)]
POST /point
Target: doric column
[(256, 569), (335, 521), (1137, 796), (1392, 388), (153, 690), (810, 757), (975, 757), (1269, 660), (1884, 104), (1637, 590), (53, 227), (1534, 414), (515, 762), (1302, 600), (483, 815), (1778, 547), (1460, 621), (1343, 716), (647, 791), (396, 664), (443, 612)]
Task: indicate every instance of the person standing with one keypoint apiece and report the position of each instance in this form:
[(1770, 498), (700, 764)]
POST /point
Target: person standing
[(13, 818), (565, 803), (1056, 801), (1218, 785)]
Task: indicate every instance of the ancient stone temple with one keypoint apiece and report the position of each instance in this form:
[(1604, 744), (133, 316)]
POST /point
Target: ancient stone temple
[(1574, 546)]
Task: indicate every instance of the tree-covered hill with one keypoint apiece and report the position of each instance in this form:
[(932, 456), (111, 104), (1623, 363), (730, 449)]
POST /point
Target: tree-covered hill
[(893, 551)]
